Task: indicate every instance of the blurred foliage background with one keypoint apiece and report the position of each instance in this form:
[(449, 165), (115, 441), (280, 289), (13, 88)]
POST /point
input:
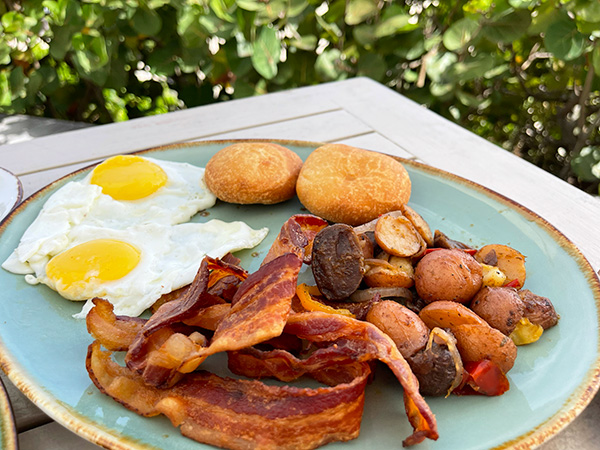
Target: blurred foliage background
[(524, 74)]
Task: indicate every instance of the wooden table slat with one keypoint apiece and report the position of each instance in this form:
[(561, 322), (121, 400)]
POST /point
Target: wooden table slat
[(138, 134)]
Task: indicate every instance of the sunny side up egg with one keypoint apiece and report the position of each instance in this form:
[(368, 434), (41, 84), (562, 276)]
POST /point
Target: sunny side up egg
[(120, 234)]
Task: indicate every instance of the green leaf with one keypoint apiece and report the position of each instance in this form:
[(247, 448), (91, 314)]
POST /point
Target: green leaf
[(439, 65), (522, 4), (271, 11), (364, 35), (250, 5), (460, 33), (371, 65), (5, 54), (265, 53), (36, 81), (360, 10), (221, 10), (400, 23), (472, 68), (589, 11), (307, 43), (188, 27), (546, 14), (17, 81), (295, 8), (57, 10), (584, 163), (564, 40), (596, 60), (90, 52), (328, 65), (39, 50), (61, 43), (146, 22), (478, 6), (508, 26), (162, 60), (5, 93)]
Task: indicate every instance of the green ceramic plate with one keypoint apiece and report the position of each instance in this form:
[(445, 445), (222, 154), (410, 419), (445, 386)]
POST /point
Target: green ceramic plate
[(42, 348)]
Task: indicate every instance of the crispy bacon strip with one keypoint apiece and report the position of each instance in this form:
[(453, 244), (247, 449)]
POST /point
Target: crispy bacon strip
[(240, 414), (370, 343), (296, 236), (258, 312), (116, 333), (196, 298), (260, 308)]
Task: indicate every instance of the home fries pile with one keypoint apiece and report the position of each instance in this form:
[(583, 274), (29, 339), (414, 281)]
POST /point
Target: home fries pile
[(444, 317)]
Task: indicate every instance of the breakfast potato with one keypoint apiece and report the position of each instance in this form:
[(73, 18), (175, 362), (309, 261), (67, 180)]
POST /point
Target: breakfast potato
[(501, 307), (389, 271), (398, 237), (507, 259), (448, 314), (539, 310), (405, 327), (419, 223), (479, 342), (448, 275), (476, 339)]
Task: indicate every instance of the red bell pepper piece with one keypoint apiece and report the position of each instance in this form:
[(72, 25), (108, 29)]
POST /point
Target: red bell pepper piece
[(485, 378), (513, 283)]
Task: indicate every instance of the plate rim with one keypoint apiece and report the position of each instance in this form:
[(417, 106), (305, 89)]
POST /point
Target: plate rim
[(8, 427), (19, 196), (572, 407)]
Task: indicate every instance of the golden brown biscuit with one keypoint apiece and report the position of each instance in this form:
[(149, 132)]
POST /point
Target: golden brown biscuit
[(350, 185), (253, 172)]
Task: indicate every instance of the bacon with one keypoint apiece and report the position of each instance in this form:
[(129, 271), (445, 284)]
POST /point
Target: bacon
[(296, 236), (370, 343), (240, 414), (116, 333), (164, 351), (258, 312)]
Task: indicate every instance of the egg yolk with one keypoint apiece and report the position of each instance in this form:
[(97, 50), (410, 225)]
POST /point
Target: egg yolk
[(128, 177), (92, 262)]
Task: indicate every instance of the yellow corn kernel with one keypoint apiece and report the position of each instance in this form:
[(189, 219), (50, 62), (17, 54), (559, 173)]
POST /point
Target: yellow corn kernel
[(526, 332), (492, 276)]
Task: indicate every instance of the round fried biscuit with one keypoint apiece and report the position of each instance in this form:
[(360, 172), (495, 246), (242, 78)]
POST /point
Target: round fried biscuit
[(253, 172), (350, 185)]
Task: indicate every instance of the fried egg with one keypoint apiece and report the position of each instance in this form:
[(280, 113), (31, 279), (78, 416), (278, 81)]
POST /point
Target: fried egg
[(123, 191), (122, 233), (133, 267)]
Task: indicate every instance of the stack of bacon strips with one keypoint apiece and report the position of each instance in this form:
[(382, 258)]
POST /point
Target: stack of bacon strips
[(243, 311)]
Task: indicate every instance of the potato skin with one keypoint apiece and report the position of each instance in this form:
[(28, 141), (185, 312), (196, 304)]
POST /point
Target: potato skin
[(448, 274), (476, 343), (501, 307), (509, 261), (539, 310), (405, 327), (476, 339), (448, 314)]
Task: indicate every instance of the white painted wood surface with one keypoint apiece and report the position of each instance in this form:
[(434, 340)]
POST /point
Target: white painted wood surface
[(359, 112)]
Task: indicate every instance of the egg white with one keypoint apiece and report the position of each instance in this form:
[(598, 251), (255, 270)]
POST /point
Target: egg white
[(171, 247), (81, 203), (170, 258)]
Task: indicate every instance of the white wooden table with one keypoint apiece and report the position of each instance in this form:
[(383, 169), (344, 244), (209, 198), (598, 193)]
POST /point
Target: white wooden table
[(358, 112)]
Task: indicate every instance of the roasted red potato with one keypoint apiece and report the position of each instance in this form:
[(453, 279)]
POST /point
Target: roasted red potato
[(507, 259), (501, 307), (448, 275)]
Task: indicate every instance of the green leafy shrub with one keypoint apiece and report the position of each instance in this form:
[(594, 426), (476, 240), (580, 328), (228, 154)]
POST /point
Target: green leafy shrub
[(522, 73)]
